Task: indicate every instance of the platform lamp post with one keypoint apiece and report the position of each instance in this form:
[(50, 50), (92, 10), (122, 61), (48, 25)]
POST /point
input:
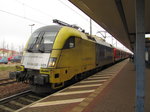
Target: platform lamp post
[(31, 25)]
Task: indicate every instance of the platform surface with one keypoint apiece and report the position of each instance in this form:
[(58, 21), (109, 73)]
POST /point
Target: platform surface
[(119, 95), (111, 90)]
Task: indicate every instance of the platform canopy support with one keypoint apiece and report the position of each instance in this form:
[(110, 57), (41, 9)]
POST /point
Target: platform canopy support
[(140, 55)]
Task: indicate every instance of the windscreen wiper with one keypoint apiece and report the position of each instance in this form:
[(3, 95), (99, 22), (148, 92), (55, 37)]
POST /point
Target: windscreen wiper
[(30, 49), (41, 46)]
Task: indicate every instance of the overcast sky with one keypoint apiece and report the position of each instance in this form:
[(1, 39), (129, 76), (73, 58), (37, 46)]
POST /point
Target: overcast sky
[(17, 15)]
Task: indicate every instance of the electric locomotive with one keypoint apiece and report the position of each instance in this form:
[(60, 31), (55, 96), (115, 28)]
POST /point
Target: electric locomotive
[(56, 54)]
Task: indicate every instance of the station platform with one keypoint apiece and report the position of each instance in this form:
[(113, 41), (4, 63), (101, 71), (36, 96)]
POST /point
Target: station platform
[(111, 90)]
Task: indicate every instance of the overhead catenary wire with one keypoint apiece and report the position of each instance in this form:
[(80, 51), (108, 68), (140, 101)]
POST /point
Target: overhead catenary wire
[(73, 10), (13, 14), (33, 8), (42, 12), (88, 20)]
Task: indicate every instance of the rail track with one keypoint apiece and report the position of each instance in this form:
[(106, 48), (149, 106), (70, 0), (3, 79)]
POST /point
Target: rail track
[(17, 101), (7, 81)]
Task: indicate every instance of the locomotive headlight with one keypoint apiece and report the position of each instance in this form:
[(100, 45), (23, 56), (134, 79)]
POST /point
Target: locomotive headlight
[(52, 62)]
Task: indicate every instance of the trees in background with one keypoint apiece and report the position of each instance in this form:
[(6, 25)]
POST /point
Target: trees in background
[(7, 50)]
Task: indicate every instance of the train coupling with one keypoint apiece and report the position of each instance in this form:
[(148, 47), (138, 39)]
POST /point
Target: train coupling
[(37, 79), (13, 75), (19, 76)]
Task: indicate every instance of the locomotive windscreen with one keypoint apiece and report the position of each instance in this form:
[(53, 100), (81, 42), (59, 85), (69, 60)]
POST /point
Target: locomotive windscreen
[(42, 40)]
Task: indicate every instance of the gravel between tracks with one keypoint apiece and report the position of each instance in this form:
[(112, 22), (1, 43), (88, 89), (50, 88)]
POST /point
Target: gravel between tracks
[(11, 88)]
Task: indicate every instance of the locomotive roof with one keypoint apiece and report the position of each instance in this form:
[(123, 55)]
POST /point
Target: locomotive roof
[(102, 42), (56, 28), (49, 28)]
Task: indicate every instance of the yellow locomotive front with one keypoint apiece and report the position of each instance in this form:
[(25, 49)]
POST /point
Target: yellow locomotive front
[(36, 55)]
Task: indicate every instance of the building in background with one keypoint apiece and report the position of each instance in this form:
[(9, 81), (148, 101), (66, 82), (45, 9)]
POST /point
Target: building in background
[(8, 53)]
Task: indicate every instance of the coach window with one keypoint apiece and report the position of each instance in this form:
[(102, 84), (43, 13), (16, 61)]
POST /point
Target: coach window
[(70, 43)]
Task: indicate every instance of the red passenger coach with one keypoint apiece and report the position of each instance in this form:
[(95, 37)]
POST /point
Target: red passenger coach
[(117, 54), (120, 54)]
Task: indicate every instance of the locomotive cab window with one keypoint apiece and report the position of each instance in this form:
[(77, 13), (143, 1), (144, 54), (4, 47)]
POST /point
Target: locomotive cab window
[(70, 43), (41, 41), (48, 40)]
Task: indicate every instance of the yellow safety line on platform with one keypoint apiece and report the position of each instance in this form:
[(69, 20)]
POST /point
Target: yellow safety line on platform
[(74, 92), (98, 77), (93, 81), (82, 86), (60, 102)]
